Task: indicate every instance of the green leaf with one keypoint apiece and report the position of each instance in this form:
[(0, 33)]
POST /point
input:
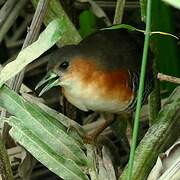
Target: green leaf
[(46, 40), (175, 3), (158, 138), (47, 128), (166, 53), (143, 4), (125, 26), (87, 23), (44, 152), (55, 10), (68, 123)]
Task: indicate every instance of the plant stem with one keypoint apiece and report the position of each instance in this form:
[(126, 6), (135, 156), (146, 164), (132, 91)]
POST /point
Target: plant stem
[(5, 10), (32, 35), (154, 102), (119, 11), (140, 91), (165, 77), (5, 167), (11, 18), (55, 10), (34, 30), (160, 136)]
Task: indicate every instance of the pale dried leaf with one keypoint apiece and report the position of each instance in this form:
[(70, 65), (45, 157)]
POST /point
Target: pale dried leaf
[(167, 166)]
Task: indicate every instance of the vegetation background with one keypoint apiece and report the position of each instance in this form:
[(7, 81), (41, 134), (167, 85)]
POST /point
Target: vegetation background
[(44, 143)]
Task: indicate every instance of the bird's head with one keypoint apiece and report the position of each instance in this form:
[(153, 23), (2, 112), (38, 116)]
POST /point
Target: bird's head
[(58, 66)]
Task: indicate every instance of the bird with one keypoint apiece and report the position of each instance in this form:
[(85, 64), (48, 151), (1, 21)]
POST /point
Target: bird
[(101, 73)]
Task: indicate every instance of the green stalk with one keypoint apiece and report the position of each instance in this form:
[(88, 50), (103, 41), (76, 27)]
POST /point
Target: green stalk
[(160, 136), (140, 91), (119, 11)]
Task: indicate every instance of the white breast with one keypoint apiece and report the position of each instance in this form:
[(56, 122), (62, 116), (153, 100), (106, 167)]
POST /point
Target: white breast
[(89, 98)]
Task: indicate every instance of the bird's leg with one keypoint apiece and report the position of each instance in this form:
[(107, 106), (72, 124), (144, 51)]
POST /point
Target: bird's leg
[(91, 137)]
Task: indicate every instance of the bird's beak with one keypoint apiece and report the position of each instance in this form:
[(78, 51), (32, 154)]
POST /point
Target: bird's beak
[(51, 79)]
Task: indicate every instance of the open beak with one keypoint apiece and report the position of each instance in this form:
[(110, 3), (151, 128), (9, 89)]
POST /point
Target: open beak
[(51, 79)]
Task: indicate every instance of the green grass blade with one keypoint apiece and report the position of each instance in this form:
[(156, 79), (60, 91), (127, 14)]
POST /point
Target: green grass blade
[(48, 129), (140, 90), (44, 152), (119, 26), (160, 136), (53, 114), (46, 40)]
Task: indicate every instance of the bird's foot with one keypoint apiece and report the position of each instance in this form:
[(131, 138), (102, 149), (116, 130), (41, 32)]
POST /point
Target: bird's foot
[(91, 137)]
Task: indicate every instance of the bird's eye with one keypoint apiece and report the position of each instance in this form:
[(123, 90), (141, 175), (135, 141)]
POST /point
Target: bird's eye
[(64, 65)]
